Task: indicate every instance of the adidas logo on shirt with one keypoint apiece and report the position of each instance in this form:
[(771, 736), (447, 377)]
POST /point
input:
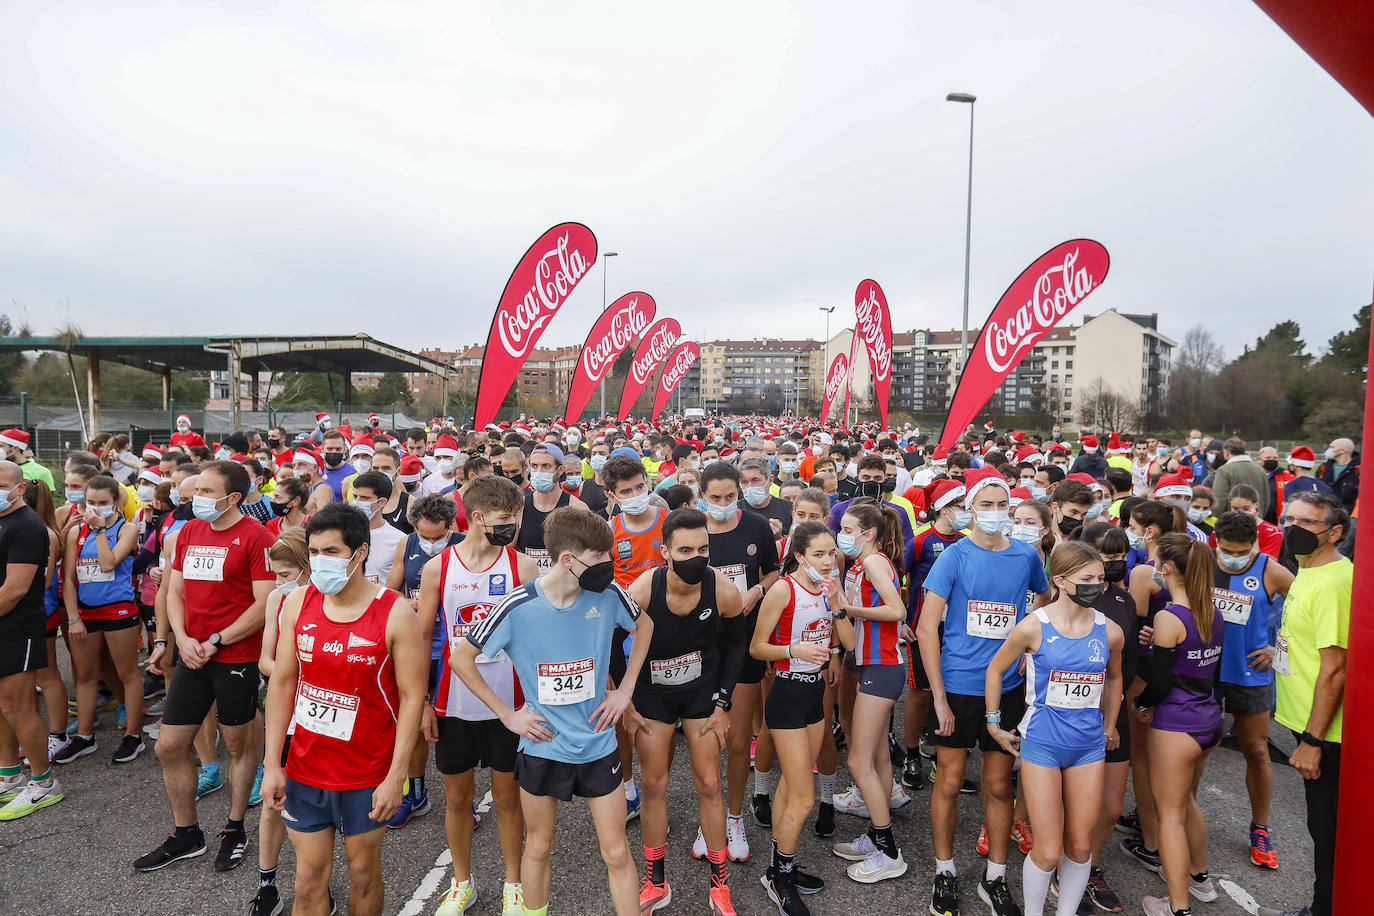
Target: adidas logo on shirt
[(592, 614), (357, 642)]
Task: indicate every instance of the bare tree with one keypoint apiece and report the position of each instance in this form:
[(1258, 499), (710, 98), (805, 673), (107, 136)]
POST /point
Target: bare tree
[(1106, 410)]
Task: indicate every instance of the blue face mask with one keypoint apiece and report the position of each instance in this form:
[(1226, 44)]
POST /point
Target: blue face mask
[(756, 496), (834, 498), (107, 511), (1159, 579), (1233, 564), (962, 519), (597, 462), (1094, 512), (76, 496), (329, 574), (542, 481), (1135, 540), (1038, 493), (848, 544), (5, 499), (994, 521), (721, 513), (206, 508), (1028, 533)]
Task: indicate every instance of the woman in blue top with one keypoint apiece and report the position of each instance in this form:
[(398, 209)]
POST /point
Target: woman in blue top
[(1073, 692)]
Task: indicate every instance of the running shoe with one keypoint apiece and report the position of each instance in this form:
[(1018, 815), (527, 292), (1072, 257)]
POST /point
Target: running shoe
[(156, 709), (784, 894), (825, 820), (877, 867), (255, 794), (753, 749), (944, 895), (850, 801), (1156, 906), (208, 781), (10, 786), (1262, 849), (458, 899), (153, 730), (1203, 890), (736, 843), (411, 807), (762, 808), (699, 846), (1024, 839), (1134, 847), (76, 748), (129, 749), (1100, 894), (153, 687), (31, 797), (73, 727), (805, 882), (898, 798), (1129, 823), (860, 848), (56, 743), (925, 747), (837, 733), (632, 806), (652, 896), (721, 905), (105, 701), (173, 849), (913, 773), (997, 896), (267, 902), (232, 845), (512, 900), (983, 840), (895, 751)]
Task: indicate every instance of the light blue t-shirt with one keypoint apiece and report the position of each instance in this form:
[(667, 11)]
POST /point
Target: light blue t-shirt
[(985, 595), (562, 658)]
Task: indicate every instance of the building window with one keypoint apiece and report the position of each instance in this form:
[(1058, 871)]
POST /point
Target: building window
[(1068, 364), (1068, 379), (1054, 364)]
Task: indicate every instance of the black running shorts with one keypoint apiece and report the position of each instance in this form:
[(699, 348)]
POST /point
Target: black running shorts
[(231, 688), (465, 745), (556, 779)]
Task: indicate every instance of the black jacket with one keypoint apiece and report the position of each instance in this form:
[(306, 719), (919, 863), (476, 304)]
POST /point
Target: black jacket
[(1347, 486)]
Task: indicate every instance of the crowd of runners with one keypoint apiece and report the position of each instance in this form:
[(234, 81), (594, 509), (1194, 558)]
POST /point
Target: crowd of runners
[(558, 604)]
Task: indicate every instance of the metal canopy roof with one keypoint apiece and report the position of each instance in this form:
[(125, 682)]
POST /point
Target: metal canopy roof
[(359, 353)]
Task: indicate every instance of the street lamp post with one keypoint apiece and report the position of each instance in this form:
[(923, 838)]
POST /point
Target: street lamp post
[(825, 362), (968, 217), (611, 254)]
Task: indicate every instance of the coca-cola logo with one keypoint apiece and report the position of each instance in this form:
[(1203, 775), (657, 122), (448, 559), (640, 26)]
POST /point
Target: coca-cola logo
[(674, 373), (555, 274), (838, 372), (1056, 291), (870, 315), (663, 340), (627, 323)]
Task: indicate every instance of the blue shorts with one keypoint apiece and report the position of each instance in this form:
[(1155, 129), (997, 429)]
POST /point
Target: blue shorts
[(1060, 758), (310, 810)]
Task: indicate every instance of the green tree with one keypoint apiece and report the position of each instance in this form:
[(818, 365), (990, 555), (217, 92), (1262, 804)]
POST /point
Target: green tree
[(1349, 350), (394, 389), (12, 363)]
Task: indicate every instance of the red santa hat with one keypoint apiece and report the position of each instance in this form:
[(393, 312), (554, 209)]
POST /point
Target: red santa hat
[(373, 416), (363, 445), (152, 475), (1019, 495), (412, 469), (940, 457), (988, 426), (182, 416), (943, 492), (1056, 447), (307, 454), (152, 451), (1302, 457), (446, 447), (321, 417), (1089, 443), (1019, 436), (979, 479), (1115, 446), (1030, 454), (16, 438), (1173, 486)]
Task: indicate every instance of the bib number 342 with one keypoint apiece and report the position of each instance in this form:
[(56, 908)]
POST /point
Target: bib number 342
[(566, 683)]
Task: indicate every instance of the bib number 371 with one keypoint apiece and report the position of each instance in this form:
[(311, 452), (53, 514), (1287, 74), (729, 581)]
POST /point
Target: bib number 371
[(326, 712), (566, 683)]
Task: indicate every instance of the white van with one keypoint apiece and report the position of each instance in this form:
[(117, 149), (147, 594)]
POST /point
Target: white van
[(694, 413)]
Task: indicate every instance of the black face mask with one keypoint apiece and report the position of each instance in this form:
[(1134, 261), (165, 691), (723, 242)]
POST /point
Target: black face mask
[(274, 444), (501, 535), (1086, 595), (692, 571), (280, 509), (1270, 464), (333, 459), (1114, 570), (596, 577), (1301, 542), (873, 489), (1067, 526), (889, 485)]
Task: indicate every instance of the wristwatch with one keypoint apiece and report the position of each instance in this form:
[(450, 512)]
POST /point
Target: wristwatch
[(215, 640), (1309, 738), (722, 700)]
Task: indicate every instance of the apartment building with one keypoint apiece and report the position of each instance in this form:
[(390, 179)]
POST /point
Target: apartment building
[(749, 371)]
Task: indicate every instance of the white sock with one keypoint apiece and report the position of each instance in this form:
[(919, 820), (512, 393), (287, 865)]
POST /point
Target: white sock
[(763, 782), (827, 787), (1073, 880), (1035, 885), (945, 867), (997, 871), (630, 790)]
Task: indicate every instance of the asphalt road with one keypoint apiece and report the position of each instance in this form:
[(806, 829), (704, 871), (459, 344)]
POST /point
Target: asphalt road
[(76, 857)]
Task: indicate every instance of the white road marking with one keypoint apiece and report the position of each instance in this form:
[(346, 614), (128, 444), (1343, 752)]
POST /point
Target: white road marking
[(429, 885), (1240, 895)]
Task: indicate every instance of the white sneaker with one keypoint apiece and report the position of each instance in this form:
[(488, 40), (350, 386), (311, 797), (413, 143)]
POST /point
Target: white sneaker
[(10, 786), (152, 730), (699, 847), (32, 797), (458, 899), (736, 843), (1204, 891), (877, 867), (899, 796), (56, 743), (1156, 906), (851, 801), (857, 850)]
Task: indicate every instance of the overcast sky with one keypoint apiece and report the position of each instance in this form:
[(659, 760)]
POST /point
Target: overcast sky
[(255, 167)]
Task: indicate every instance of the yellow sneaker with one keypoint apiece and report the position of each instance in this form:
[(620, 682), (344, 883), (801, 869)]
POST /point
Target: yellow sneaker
[(459, 898), (512, 903)]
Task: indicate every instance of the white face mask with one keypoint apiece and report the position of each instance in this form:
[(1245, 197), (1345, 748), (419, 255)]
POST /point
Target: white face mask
[(145, 494), (362, 465), (432, 548)]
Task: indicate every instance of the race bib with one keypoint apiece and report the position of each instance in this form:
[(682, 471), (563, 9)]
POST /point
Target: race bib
[(990, 619), (1281, 656), (566, 683), (735, 573), (205, 564), (88, 571), (1234, 606), (541, 558), (670, 672), (325, 712), (1075, 689)]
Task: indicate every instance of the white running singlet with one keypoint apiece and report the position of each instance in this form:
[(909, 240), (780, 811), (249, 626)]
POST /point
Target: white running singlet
[(465, 598)]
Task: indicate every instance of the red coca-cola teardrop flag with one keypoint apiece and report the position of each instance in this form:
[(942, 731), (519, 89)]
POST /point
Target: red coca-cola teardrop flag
[(873, 322), (674, 371), (538, 287), (620, 325), (653, 348), (1036, 301), (834, 380)]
